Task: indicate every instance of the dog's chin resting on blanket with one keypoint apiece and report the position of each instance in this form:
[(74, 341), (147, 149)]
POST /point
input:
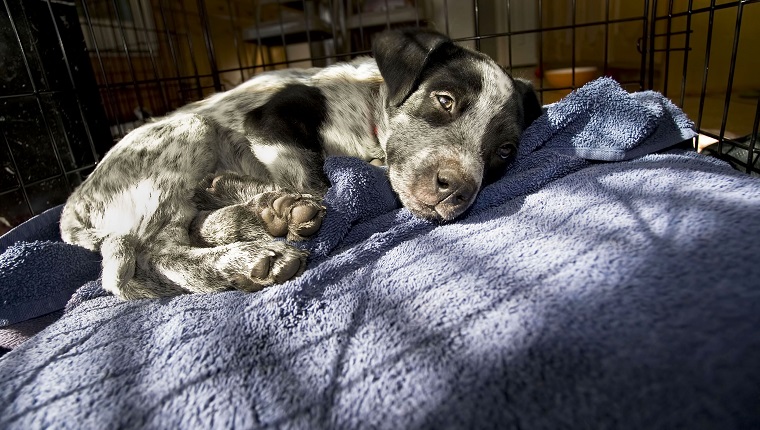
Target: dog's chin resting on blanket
[(193, 202)]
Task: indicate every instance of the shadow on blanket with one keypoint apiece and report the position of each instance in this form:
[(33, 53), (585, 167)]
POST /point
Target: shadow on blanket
[(575, 293)]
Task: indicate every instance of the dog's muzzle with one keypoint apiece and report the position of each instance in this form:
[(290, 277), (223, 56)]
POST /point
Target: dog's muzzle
[(454, 191), (440, 191)]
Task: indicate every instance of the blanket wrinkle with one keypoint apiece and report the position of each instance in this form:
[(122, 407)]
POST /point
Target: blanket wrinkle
[(574, 291), (359, 192), (601, 121)]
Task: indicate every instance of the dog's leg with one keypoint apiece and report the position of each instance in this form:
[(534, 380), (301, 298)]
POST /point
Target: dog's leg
[(260, 215), (176, 266), (225, 189), (245, 266)]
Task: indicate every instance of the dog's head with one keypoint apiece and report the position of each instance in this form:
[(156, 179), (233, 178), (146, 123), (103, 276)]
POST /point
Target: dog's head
[(454, 120)]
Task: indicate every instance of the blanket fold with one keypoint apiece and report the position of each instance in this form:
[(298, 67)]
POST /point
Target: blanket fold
[(601, 121), (38, 272), (359, 192)]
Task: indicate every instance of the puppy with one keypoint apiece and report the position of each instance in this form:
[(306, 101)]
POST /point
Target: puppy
[(443, 118)]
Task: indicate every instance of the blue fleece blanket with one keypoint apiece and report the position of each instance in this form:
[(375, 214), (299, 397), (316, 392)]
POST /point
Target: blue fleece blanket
[(574, 294)]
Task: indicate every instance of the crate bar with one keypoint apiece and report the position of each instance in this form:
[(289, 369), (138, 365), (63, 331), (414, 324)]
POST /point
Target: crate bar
[(731, 71), (572, 56), (753, 140), (172, 48), (711, 8), (259, 46), (606, 36), (45, 179), (361, 23), (76, 97), (161, 88), (206, 28), (57, 154), (189, 40), (669, 27), (282, 33), (32, 82), (733, 142), (672, 33), (308, 28), (476, 14), (31, 94), (644, 31), (125, 46), (669, 49), (446, 16), (387, 16), (509, 30), (705, 68), (235, 39), (120, 68), (541, 49), (687, 48), (337, 43), (651, 52), (20, 185), (545, 29), (111, 97)]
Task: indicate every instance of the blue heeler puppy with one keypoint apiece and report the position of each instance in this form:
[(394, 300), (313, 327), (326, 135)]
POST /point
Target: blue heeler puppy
[(192, 202)]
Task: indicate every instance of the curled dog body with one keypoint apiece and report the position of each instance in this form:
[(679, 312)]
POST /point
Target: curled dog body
[(191, 202)]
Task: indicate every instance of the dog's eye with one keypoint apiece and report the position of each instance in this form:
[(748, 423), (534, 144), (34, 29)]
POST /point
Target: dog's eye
[(446, 101), (506, 150)]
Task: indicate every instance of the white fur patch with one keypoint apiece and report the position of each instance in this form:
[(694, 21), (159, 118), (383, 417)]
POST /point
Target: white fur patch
[(129, 211), (284, 163), (267, 154)]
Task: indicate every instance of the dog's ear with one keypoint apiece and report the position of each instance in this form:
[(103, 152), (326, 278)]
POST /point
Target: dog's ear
[(531, 106), (402, 55)]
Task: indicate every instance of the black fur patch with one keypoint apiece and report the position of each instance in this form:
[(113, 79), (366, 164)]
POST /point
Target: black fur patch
[(402, 55), (531, 107), (451, 71), (502, 129), (292, 116)]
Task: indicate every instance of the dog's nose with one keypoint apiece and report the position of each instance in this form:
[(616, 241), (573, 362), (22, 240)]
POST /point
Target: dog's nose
[(454, 189)]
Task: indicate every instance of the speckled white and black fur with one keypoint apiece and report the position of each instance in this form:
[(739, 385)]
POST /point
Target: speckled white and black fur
[(192, 202)]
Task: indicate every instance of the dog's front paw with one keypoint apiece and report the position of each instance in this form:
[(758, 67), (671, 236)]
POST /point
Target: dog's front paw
[(296, 216), (270, 264)]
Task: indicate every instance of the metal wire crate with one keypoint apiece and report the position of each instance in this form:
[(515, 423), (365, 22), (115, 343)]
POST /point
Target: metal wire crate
[(75, 77)]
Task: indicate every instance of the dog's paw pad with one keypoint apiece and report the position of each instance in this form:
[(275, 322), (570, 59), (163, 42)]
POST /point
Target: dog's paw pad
[(283, 204), (287, 267), (303, 213), (277, 265), (275, 224), (262, 267), (306, 219), (295, 216), (252, 267)]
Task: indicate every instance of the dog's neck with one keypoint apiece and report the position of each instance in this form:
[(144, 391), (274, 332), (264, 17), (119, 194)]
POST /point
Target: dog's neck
[(357, 132)]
